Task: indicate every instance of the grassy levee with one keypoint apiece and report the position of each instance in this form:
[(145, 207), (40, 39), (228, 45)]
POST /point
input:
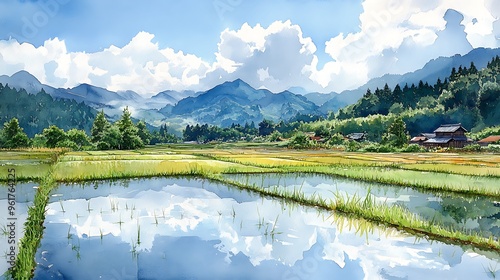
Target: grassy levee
[(470, 185), (29, 164), (33, 231), (427, 180), (71, 171), (367, 208)]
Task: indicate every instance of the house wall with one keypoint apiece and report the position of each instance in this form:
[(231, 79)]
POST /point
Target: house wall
[(458, 133)]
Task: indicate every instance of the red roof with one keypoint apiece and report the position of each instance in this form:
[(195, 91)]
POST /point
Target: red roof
[(490, 139)]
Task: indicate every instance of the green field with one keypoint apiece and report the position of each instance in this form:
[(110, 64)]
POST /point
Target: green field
[(477, 174)]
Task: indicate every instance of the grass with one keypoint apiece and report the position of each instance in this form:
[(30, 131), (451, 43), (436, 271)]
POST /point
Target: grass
[(469, 174), (367, 208), (471, 185), (33, 231)]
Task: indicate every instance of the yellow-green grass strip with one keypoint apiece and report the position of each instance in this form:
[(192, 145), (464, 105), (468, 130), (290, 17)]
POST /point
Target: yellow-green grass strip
[(33, 231), (91, 170), (473, 185)]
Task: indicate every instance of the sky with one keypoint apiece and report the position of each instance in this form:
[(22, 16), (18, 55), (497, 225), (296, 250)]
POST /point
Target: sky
[(156, 45)]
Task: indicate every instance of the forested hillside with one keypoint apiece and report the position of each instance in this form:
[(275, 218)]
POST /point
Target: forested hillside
[(468, 96), (38, 111)]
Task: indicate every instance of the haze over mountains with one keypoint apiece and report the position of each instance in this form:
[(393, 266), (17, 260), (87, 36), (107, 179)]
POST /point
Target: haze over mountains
[(236, 101)]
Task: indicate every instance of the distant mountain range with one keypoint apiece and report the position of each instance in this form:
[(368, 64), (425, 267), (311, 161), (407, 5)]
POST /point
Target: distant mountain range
[(236, 101), (434, 69)]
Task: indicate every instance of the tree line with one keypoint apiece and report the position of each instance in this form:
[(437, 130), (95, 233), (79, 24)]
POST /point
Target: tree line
[(36, 112), (121, 135)]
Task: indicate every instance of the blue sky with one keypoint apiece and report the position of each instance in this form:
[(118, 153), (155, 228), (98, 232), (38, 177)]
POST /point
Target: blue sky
[(321, 45)]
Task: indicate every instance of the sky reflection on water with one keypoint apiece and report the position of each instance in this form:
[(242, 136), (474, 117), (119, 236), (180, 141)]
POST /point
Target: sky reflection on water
[(196, 229)]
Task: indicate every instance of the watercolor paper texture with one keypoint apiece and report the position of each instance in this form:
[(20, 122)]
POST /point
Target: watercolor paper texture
[(228, 139)]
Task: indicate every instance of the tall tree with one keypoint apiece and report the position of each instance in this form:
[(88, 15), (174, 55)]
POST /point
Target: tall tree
[(396, 134), (99, 127), (79, 137), (266, 127), (54, 135), (13, 135), (129, 132), (144, 133)]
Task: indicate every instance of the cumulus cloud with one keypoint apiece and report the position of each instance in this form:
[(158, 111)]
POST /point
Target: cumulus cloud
[(393, 37), (401, 36)]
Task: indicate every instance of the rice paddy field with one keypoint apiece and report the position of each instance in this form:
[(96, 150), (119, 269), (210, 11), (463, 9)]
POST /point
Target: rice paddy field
[(450, 179)]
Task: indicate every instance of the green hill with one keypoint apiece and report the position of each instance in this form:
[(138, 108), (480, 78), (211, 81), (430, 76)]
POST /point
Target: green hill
[(38, 111)]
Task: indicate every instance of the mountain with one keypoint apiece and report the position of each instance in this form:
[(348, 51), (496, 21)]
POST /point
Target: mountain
[(434, 69), (24, 80), (36, 112), (238, 102), (319, 98), (130, 95)]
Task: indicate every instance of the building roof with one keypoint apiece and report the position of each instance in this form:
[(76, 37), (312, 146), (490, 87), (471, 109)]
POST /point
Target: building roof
[(428, 135), (490, 139), (450, 128), (418, 139), (439, 140), (356, 136)]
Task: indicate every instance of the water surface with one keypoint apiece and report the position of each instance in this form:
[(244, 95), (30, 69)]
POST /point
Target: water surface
[(468, 213), (196, 229)]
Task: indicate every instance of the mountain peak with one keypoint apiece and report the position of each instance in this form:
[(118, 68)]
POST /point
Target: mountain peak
[(25, 76), (237, 83)]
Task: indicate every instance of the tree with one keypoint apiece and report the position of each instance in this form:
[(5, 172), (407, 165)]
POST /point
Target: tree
[(266, 127), (129, 132), (396, 134), (13, 136), (54, 135), (275, 136), (144, 133), (79, 137), (396, 108), (300, 141), (99, 127), (111, 139)]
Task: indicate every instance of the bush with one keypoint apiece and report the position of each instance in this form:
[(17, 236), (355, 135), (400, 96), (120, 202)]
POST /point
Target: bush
[(336, 139), (352, 146), (300, 141), (67, 144), (494, 148), (472, 148), (275, 136), (413, 148)]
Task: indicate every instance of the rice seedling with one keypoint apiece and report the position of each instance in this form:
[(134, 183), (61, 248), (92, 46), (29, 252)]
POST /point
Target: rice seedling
[(120, 221), (62, 206), (138, 233), (114, 204), (491, 270), (4, 231), (88, 207), (155, 217)]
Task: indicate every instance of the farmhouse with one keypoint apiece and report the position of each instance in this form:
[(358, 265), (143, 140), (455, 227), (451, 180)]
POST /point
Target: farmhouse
[(489, 140), (358, 136), (449, 136)]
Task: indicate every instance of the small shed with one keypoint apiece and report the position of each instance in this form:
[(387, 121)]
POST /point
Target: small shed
[(358, 136), (489, 140)]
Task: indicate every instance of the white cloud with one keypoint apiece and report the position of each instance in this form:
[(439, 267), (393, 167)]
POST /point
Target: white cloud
[(393, 37), (401, 36)]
